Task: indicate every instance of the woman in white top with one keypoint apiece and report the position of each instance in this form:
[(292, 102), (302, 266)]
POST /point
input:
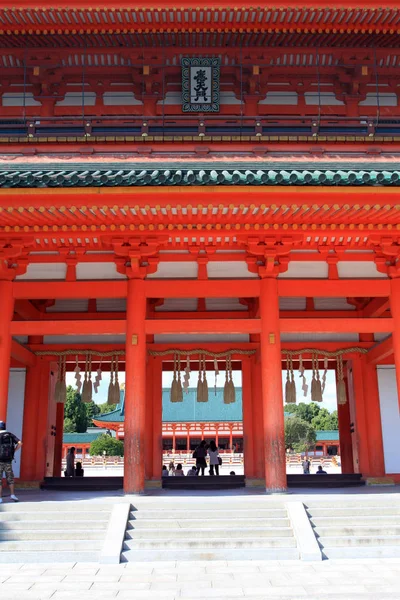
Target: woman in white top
[(179, 471), (214, 458)]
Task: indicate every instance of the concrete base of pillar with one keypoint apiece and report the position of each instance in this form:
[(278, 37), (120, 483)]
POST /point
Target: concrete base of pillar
[(379, 481), (153, 484), (276, 491), (252, 482)]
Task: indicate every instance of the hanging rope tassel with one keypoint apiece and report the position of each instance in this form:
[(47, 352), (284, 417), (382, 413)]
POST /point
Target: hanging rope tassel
[(340, 386), (316, 390), (89, 383), (323, 383), (226, 386), (290, 388), (85, 386), (186, 377), (216, 371), (116, 394), (110, 395), (174, 384), (304, 386), (179, 389), (205, 382), (97, 381), (78, 377), (231, 386), (199, 385)]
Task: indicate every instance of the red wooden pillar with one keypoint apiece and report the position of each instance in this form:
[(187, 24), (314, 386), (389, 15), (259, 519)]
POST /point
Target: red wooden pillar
[(395, 310), (42, 431), (135, 388), (58, 440), (231, 437), (157, 418), (258, 427), (217, 425), (248, 436), (188, 438), (149, 420), (6, 314), (271, 373), (360, 417), (346, 444), (373, 418), (33, 397)]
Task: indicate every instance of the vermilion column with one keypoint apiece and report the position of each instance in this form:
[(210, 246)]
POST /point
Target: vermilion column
[(30, 421), (361, 431), (157, 418), (373, 418), (395, 310), (135, 388), (258, 426), (248, 436), (346, 443), (42, 430), (149, 420), (6, 314), (58, 440), (271, 374)]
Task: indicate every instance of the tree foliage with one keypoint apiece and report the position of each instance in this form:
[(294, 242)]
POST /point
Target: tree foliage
[(106, 408), (75, 415), (299, 434), (320, 418), (109, 445)]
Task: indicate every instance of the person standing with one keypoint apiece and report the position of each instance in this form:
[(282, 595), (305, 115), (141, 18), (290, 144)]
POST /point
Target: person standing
[(213, 453), (306, 466), (200, 455), (70, 470), (9, 444)]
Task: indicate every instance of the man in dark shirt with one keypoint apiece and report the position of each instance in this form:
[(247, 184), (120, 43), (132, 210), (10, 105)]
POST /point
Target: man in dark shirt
[(9, 444)]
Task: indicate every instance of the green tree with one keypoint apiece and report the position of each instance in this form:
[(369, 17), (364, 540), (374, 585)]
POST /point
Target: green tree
[(92, 410), (299, 434), (75, 415), (326, 421), (106, 408), (109, 445)]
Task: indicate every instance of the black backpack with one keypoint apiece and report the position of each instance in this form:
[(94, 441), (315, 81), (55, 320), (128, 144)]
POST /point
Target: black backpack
[(6, 447)]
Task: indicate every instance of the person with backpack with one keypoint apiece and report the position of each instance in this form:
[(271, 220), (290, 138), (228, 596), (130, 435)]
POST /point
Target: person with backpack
[(9, 444)]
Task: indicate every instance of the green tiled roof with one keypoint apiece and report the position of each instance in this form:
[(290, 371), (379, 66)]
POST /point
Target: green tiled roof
[(328, 436), (199, 174), (112, 417), (80, 438)]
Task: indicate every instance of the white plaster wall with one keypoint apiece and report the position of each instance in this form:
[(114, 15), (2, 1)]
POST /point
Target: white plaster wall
[(390, 417), (15, 410)]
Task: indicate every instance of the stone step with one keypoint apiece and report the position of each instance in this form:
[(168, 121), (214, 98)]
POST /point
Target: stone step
[(53, 535), (343, 541), (205, 524), (15, 517), (204, 514), (349, 511), (362, 552), (209, 554), (65, 507), (210, 544), (231, 532), (357, 531), (59, 556), (50, 525), (51, 546), (385, 520)]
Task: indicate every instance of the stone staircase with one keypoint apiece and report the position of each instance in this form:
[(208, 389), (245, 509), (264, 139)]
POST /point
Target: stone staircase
[(214, 529), (52, 531), (366, 528)]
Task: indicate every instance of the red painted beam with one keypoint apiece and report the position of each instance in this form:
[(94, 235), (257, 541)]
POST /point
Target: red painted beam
[(338, 288), (381, 351), (201, 326), (35, 290), (336, 325), (377, 307), (68, 328), (22, 354)]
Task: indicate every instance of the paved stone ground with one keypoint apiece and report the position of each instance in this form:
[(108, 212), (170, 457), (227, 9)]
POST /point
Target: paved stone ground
[(220, 580)]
